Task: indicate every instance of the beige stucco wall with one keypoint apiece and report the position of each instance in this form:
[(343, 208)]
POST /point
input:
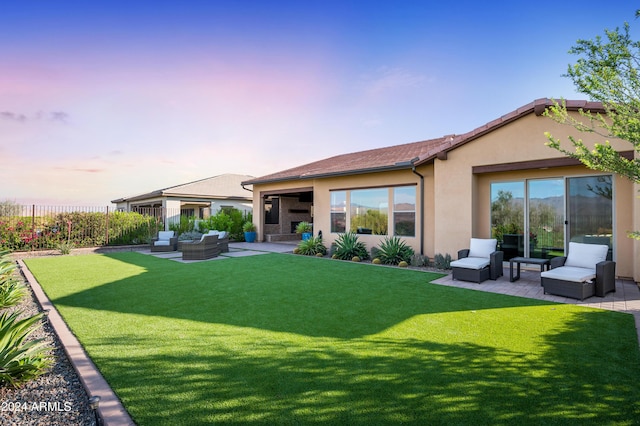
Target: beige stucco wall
[(322, 200), (521, 140), (457, 201)]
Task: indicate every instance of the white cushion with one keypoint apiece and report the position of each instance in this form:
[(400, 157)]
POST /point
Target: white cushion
[(471, 263), (222, 234), (213, 232), (570, 273), (482, 247), (165, 235), (161, 243), (586, 255)]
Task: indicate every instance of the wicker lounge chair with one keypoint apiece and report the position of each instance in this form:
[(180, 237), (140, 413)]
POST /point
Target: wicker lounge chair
[(206, 248), (480, 262), (223, 240), (583, 273), (165, 241)]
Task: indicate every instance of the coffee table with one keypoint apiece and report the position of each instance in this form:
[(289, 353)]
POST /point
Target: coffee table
[(530, 260)]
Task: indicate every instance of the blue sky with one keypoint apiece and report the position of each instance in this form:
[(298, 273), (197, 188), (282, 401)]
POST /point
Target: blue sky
[(100, 100)]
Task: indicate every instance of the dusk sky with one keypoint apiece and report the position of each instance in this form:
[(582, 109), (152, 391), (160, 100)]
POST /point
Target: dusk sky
[(101, 100)]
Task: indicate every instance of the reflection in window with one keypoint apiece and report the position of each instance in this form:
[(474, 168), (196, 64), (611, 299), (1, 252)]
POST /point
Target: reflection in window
[(507, 217), (404, 211), (338, 211), (370, 211)]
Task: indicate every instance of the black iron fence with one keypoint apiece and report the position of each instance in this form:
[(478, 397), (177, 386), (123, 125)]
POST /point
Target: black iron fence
[(24, 228)]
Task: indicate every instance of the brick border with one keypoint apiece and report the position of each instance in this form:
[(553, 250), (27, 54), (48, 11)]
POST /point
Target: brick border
[(111, 410)]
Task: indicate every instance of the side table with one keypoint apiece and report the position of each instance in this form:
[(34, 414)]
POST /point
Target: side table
[(531, 260)]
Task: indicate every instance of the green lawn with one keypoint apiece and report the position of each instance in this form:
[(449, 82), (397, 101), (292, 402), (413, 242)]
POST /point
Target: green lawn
[(281, 339)]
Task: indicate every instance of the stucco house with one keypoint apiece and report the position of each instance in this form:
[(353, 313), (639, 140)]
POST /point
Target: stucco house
[(200, 198), (498, 180)]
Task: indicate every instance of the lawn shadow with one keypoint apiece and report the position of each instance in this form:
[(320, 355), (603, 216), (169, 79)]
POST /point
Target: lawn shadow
[(366, 381), (306, 296)]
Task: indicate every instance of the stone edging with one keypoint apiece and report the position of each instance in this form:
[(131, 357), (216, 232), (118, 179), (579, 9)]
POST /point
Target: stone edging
[(110, 409)]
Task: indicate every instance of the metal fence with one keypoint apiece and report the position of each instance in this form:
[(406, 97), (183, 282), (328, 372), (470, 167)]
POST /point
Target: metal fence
[(24, 228)]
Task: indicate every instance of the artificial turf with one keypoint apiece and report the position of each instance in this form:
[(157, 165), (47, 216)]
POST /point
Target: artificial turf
[(282, 339)]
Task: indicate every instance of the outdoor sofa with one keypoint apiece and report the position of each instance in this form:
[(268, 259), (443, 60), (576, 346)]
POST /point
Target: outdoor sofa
[(165, 241), (480, 262), (583, 273)]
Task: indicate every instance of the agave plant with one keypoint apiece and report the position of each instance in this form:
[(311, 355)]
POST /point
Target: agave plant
[(348, 247), (312, 247), (393, 250), (11, 290), (21, 360)]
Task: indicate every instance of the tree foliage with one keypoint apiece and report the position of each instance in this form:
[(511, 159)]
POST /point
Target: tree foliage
[(608, 71)]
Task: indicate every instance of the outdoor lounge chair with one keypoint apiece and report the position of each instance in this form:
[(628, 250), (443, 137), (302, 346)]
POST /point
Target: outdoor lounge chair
[(206, 248), (223, 240), (480, 262), (166, 241), (583, 273)]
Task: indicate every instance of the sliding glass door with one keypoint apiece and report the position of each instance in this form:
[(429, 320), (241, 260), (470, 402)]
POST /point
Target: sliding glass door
[(537, 217), (507, 217), (590, 210), (545, 217)]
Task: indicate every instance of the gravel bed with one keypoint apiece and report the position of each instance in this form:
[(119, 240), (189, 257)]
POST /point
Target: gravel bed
[(55, 398)]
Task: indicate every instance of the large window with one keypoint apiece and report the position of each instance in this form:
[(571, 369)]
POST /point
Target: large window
[(404, 211), (374, 210), (338, 211), (370, 211)]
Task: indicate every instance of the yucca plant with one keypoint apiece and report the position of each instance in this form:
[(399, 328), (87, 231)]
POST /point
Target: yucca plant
[(393, 250), (11, 290), (348, 246), (21, 360), (65, 247), (312, 247)]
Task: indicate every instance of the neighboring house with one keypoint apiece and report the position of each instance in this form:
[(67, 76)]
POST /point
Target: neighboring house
[(498, 180), (200, 199)]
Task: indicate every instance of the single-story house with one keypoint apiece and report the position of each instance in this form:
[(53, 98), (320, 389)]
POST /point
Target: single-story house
[(199, 199), (499, 180)]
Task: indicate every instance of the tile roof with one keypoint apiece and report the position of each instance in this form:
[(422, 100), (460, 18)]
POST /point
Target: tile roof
[(223, 186), (410, 154), (379, 159)]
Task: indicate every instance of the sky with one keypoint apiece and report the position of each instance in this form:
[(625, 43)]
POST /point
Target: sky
[(106, 99)]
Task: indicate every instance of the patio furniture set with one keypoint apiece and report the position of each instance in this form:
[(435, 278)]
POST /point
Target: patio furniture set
[(583, 273), (208, 246)]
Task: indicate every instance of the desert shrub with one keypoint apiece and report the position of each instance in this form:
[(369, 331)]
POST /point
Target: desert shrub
[(20, 359), (419, 260), (312, 247), (393, 251), (442, 261), (189, 236), (348, 246), (375, 252)]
